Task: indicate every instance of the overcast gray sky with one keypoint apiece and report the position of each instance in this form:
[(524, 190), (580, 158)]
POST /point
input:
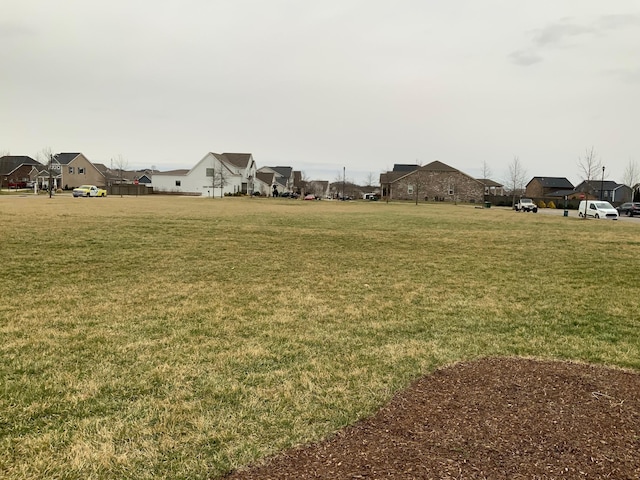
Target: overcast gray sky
[(319, 86)]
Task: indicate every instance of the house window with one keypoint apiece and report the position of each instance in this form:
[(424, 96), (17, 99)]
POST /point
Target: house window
[(178, 183), (71, 170), (410, 189), (450, 191), (80, 170), (210, 172)]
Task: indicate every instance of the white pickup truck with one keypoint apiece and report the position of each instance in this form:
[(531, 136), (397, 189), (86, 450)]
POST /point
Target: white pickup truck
[(526, 205)]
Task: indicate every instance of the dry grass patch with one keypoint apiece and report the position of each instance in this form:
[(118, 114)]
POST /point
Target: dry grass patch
[(181, 337)]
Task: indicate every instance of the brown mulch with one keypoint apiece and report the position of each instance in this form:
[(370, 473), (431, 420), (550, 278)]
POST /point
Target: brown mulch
[(494, 418)]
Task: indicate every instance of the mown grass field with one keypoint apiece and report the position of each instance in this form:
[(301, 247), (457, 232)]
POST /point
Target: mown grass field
[(159, 337)]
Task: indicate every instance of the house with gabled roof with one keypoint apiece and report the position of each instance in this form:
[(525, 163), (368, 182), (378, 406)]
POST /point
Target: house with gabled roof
[(70, 170), (399, 170), (216, 175), (284, 178), (264, 183), (435, 181), (606, 190), (18, 170), (540, 187)]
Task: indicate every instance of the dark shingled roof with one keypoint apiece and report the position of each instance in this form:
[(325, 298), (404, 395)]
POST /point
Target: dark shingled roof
[(9, 163), (238, 159), (403, 167), (561, 183), (284, 171), (266, 177), (65, 158), (438, 166)]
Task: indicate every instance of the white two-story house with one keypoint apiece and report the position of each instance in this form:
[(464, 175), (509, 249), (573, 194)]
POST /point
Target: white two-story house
[(216, 175)]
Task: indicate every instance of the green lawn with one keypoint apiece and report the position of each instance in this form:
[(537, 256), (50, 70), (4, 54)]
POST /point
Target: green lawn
[(168, 337)]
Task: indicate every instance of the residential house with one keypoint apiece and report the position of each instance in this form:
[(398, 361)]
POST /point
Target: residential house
[(217, 174), (299, 183), (543, 187), (607, 190), (264, 183), (436, 181), (18, 170), (284, 178), (144, 177), (399, 170), (70, 170)]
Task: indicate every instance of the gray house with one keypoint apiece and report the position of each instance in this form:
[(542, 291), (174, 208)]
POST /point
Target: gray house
[(607, 190)]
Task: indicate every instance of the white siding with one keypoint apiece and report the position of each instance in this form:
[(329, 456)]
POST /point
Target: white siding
[(197, 181)]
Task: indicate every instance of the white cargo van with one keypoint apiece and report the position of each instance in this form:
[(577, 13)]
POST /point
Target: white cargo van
[(597, 209)]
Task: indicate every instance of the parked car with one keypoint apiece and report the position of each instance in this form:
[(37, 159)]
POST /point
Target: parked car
[(526, 205), (89, 191), (597, 209), (629, 209)]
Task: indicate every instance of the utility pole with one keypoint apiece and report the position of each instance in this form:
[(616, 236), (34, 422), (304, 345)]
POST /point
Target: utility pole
[(343, 182), (50, 174), (602, 183)]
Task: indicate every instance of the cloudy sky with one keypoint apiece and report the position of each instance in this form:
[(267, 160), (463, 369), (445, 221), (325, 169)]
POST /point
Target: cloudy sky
[(359, 84)]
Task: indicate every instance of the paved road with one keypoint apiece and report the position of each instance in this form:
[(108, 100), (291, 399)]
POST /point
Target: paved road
[(573, 213)]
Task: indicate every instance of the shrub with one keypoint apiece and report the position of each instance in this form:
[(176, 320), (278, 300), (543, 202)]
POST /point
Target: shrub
[(551, 205), (541, 204)]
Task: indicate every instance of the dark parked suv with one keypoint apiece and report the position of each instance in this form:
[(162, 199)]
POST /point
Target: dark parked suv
[(629, 209)]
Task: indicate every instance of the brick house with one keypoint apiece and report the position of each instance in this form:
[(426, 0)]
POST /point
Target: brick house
[(399, 170), (17, 170), (540, 187), (436, 181)]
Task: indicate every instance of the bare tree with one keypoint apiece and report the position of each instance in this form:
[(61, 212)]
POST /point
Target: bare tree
[(517, 176), (486, 174), (121, 164), (370, 180), (419, 182), (305, 183), (631, 177), (218, 178), (589, 166), (45, 157)]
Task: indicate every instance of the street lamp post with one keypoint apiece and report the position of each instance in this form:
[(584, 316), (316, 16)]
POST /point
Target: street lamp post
[(602, 183)]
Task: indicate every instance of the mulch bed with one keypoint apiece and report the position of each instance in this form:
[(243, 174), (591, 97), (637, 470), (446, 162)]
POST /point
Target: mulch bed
[(494, 418)]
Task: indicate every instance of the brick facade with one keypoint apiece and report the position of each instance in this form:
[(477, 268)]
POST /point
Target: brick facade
[(438, 182)]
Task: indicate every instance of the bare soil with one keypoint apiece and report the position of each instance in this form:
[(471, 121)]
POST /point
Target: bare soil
[(497, 418)]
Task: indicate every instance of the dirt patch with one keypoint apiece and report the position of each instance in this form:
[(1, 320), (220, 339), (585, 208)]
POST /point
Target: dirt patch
[(493, 418)]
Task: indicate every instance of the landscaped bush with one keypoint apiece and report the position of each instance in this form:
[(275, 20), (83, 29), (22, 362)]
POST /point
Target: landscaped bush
[(541, 204), (551, 205)]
